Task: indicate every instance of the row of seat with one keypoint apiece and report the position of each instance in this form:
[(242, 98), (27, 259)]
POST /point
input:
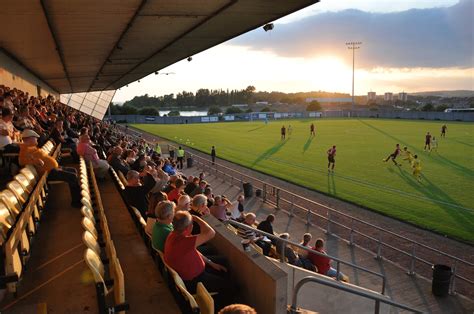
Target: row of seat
[(21, 207), (202, 301), (100, 254)]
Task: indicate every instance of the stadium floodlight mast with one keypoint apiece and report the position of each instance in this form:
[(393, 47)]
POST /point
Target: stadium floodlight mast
[(353, 45)]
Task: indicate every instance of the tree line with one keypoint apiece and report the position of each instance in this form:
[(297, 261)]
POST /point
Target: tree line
[(208, 98)]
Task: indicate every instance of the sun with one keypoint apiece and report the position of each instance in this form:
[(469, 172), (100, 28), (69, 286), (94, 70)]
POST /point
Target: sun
[(329, 73)]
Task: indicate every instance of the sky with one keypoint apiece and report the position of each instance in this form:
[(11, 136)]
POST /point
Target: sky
[(407, 45)]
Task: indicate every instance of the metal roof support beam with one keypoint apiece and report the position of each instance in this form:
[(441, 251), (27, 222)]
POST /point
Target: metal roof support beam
[(56, 42), (218, 11), (127, 27)]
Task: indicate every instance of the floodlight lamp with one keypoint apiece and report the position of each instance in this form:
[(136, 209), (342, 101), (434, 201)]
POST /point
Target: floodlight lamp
[(268, 27), (189, 59), (156, 72)]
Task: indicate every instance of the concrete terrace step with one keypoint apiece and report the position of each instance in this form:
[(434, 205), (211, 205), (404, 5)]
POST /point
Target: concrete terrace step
[(414, 291)]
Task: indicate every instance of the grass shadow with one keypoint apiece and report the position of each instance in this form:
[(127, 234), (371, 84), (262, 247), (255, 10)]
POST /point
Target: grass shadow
[(331, 184), (257, 128), (463, 143), (308, 143), (269, 152), (455, 166), (432, 191)]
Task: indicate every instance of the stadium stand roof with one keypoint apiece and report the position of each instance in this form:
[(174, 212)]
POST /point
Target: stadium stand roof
[(89, 45)]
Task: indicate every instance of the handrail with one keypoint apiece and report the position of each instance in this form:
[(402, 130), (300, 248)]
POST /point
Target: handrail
[(299, 246), (411, 271), (347, 288)]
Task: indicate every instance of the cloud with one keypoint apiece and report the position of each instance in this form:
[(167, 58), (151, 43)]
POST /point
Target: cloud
[(434, 38)]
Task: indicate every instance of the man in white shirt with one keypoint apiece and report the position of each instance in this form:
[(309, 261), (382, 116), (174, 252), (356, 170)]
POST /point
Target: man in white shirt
[(7, 132)]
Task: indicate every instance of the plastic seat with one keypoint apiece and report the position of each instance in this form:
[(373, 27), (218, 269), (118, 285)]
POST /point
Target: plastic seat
[(96, 266), (27, 184), (181, 288), (87, 212), (86, 202), (10, 199), (122, 178), (6, 221), (18, 190), (88, 225), (119, 281), (204, 299), (91, 242), (26, 171)]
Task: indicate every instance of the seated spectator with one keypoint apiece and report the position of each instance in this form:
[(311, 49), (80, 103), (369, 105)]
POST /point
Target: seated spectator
[(210, 196), (184, 203), (168, 168), (8, 132), (58, 138), (237, 212), (160, 176), (192, 185), (198, 208), (171, 184), (200, 189), (174, 194), (220, 208), (153, 201), (135, 192), (323, 263), (30, 154), (116, 162), (85, 149), (263, 242), (237, 309), (164, 214), (266, 225), (293, 257), (182, 255), (306, 239)]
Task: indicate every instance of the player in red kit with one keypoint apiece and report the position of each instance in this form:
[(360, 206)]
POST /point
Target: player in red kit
[(394, 155), (331, 158)]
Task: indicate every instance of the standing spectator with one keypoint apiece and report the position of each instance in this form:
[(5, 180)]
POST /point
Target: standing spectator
[(30, 154), (213, 154), (164, 214), (323, 263), (135, 192), (89, 153), (180, 157)]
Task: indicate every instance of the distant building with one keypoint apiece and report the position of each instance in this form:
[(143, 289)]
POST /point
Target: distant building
[(371, 96), (329, 100), (403, 96), (388, 97)]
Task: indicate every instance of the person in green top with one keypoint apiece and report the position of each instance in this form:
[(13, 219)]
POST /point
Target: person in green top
[(164, 212), (158, 149), (180, 155)]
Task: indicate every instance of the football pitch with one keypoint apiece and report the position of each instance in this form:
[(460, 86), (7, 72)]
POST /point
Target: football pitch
[(443, 201)]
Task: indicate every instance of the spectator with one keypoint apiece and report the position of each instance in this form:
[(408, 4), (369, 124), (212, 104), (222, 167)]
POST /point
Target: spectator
[(116, 162), (292, 257), (176, 192), (213, 154), (30, 154), (135, 192), (263, 242), (200, 189), (58, 138), (237, 309), (192, 185), (8, 132), (153, 201), (184, 203), (164, 214), (89, 153), (266, 225), (182, 255), (220, 208), (210, 196), (306, 239), (238, 209), (180, 157), (323, 263), (198, 208)]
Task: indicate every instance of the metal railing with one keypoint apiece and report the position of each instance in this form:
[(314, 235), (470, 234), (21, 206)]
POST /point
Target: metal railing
[(281, 243), (335, 285), (270, 191), (278, 193)]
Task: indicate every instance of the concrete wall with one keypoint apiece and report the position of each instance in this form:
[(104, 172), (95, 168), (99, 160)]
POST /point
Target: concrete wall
[(324, 299), (13, 75), (262, 284)]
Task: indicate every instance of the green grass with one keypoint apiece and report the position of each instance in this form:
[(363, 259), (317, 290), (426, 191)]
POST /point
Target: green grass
[(442, 202)]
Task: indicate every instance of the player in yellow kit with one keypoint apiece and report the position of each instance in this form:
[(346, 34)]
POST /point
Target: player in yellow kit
[(416, 165), (408, 155)]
